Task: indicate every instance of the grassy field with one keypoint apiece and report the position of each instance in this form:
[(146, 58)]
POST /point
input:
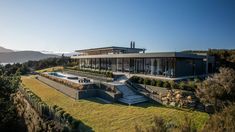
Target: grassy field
[(111, 117)]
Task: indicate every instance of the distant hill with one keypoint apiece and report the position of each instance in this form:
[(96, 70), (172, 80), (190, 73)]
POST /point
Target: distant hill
[(4, 50), (23, 56)]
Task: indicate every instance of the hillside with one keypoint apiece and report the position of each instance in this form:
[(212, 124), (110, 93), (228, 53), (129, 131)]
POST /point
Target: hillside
[(4, 50), (23, 56)]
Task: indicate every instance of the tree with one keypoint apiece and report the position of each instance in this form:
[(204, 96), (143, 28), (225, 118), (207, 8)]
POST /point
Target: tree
[(8, 115), (222, 122), (220, 88)]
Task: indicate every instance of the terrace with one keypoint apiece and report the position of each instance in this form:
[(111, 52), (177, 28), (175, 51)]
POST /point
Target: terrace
[(111, 117)]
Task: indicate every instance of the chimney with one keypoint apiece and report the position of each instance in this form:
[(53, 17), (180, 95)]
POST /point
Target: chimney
[(133, 44)]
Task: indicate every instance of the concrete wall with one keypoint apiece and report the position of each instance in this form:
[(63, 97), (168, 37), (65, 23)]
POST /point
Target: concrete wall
[(98, 93), (82, 94)]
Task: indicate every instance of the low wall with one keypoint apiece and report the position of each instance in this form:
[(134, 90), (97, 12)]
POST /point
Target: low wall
[(81, 94), (98, 93), (73, 93)]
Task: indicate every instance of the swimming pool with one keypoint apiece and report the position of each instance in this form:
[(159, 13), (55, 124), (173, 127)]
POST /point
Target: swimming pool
[(69, 77)]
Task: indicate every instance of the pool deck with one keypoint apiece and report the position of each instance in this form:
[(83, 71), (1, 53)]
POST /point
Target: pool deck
[(65, 75)]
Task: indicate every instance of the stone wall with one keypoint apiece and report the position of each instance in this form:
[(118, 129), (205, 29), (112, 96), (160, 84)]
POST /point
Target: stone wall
[(174, 97), (178, 99), (31, 117)]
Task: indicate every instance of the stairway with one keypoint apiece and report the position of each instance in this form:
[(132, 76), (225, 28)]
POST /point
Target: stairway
[(129, 96)]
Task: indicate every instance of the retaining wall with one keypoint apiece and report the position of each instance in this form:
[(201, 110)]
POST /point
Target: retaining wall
[(81, 94), (73, 93)]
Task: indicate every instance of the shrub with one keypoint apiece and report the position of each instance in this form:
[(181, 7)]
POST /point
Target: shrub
[(166, 84), (223, 121), (54, 107), (153, 82), (65, 129), (69, 119), (135, 79), (191, 85), (60, 113), (188, 125), (197, 80), (106, 73), (147, 81), (58, 109), (75, 123), (182, 85), (159, 83), (141, 80), (65, 115), (173, 85)]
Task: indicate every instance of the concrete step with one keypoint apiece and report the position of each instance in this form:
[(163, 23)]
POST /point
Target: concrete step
[(125, 90), (129, 96), (133, 100)]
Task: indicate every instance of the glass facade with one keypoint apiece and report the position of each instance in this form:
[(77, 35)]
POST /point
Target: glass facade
[(149, 66)]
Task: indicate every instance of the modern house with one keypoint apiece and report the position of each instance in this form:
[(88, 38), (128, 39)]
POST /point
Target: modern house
[(136, 61)]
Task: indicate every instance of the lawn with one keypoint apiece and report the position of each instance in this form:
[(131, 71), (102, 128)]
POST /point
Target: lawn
[(111, 117)]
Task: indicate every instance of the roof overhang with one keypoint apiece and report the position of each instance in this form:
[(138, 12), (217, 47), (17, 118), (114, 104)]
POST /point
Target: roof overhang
[(144, 55), (109, 48)]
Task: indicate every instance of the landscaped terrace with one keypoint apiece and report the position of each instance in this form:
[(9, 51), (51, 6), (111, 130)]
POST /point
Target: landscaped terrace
[(112, 117)]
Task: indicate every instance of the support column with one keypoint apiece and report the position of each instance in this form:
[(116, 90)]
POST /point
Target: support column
[(158, 66), (152, 66), (99, 63)]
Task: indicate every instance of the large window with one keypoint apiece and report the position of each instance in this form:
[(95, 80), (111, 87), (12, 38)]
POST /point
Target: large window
[(103, 63), (147, 66), (114, 64), (139, 66), (126, 65), (109, 64), (93, 63), (119, 64), (97, 63)]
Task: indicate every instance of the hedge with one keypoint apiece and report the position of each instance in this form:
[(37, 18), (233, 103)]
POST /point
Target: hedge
[(184, 85), (106, 73), (63, 81), (51, 112)]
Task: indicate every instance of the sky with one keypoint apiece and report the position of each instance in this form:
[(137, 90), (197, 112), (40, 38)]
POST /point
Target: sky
[(157, 25)]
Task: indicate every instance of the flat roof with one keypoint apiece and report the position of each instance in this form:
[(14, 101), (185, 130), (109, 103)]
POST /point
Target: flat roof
[(144, 55), (110, 48)]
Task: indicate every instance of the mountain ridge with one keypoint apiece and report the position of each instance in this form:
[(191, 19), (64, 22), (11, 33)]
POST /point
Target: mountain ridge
[(10, 56), (5, 50)]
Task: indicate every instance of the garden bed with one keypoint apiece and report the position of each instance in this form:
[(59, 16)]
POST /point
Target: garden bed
[(189, 85)]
